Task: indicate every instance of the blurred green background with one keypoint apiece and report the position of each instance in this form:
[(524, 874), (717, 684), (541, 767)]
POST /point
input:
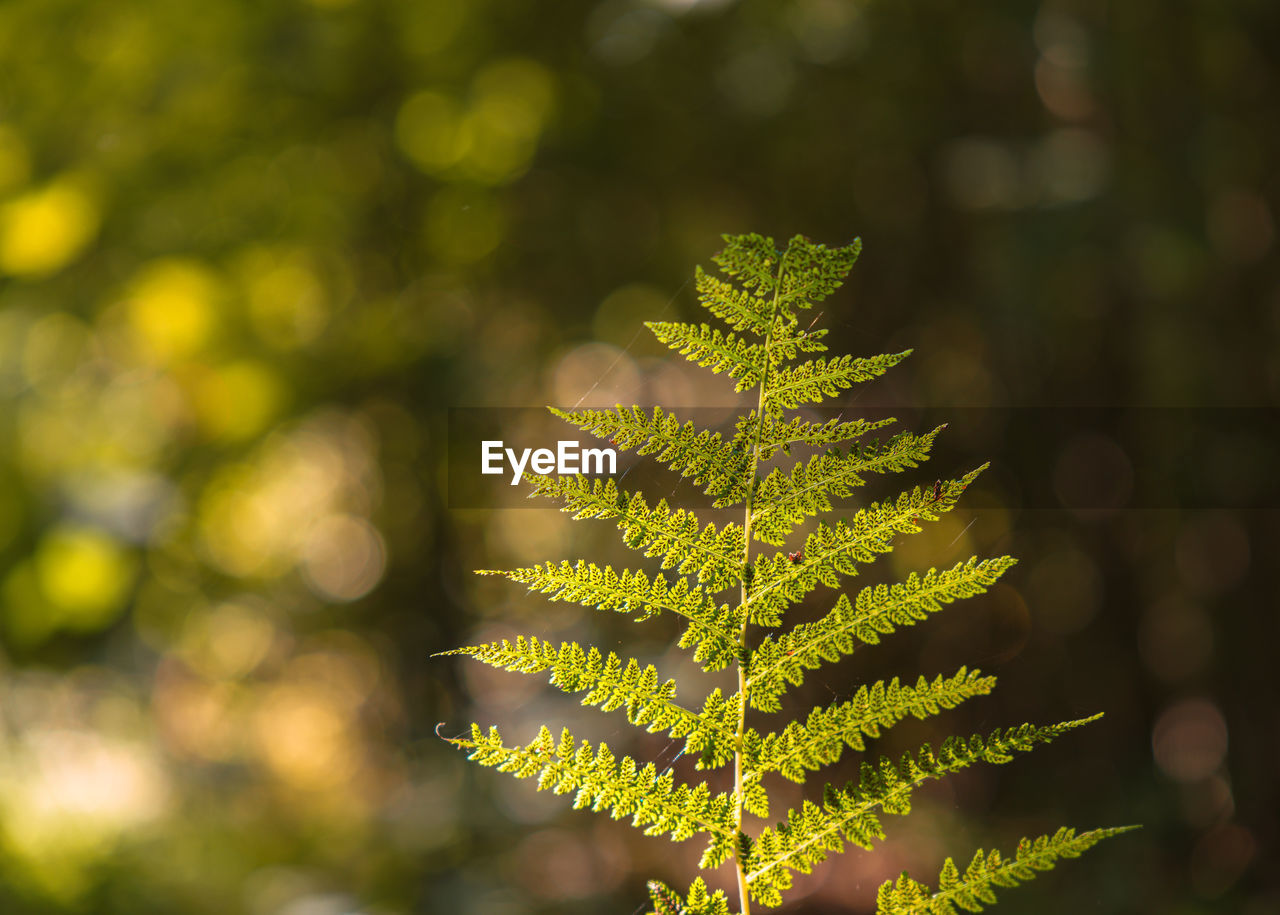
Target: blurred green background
[(251, 253)]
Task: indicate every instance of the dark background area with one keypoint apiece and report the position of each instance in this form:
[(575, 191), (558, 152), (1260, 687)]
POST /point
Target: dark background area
[(252, 253)]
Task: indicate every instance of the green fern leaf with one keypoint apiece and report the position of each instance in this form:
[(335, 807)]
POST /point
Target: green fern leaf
[(722, 467), (712, 629), (612, 685), (779, 434), (975, 889), (707, 347), (783, 579), (740, 308), (781, 661), (656, 803), (715, 557), (787, 498), (811, 272), (821, 740), (666, 901), (753, 261), (847, 815), (818, 379)]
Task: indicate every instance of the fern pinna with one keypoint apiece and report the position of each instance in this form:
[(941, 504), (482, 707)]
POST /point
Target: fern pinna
[(766, 349)]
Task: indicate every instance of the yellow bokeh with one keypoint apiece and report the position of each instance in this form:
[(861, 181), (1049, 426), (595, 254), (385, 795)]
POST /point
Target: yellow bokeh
[(287, 304), (228, 642), (254, 516), (496, 154), (85, 576), (430, 130), (236, 401), (305, 738), (517, 94), (238, 530), (173, 309), (493, 137), (511, 101), (44, 230)]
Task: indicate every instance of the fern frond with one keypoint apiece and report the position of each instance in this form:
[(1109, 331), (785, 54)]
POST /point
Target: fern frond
[(780, 434), (611, 685), (724, 468), (779, 662), (986, 871), (752, 260), (707, 347), (712, 628), (816, 380), (740, 308), (716, 557), (774, 282), (783, 579), (821, 740), (699, 901), (768, 347), (846, 815), (787, 498), (811, 272), (666, 901), (656, 803)]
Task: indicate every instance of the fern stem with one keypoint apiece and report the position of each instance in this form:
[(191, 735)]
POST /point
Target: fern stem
[(740, 852)]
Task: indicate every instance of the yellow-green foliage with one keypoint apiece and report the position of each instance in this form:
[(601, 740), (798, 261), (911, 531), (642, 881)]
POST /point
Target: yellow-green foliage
[(759, 297)]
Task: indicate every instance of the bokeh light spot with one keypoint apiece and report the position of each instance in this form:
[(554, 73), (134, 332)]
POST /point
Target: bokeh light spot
[(287, 304), (172, 306), (343, 557), (1176, 639), (429, 130), (1220, 859), (1213, 552), (511, 102), (237, 401), (85, 574), (618, 319), (197, 718), (595, 375), (982, 173), (44, 230), (254, 516), (304, 738), (517, 93), (80, 789), (1070, 165), (1189, 740), (229, 641)]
